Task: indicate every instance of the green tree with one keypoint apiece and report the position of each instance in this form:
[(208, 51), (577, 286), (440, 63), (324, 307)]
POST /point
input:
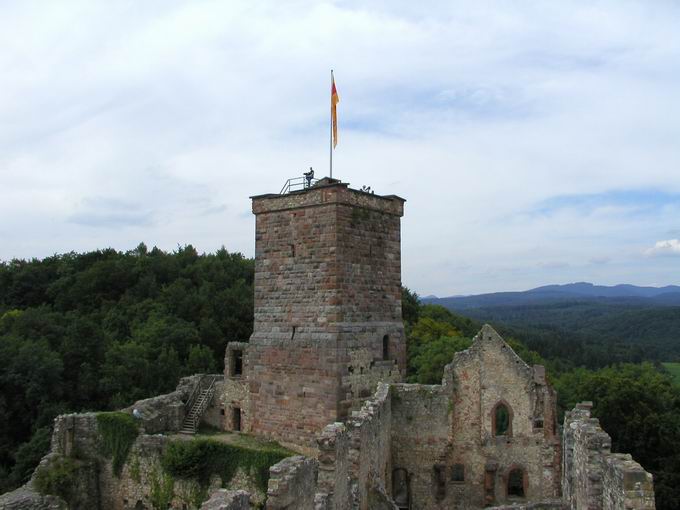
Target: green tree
[(201, 360)]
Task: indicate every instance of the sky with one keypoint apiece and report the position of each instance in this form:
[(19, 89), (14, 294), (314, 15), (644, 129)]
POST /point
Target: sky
[(535, 142)]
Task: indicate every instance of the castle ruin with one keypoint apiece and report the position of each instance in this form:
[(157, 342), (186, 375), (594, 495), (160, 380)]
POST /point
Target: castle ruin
[(322, 373)]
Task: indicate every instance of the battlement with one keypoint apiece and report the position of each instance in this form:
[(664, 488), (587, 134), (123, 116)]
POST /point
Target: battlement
[(327, 192)]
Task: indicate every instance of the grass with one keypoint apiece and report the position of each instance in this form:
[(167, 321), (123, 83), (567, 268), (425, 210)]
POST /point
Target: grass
[(674, 370)]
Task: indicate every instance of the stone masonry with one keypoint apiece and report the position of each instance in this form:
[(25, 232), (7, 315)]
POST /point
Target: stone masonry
[(328, 321), (593, 477)]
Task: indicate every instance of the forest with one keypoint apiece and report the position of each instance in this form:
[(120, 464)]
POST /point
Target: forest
[(99, 330), (592, 331)]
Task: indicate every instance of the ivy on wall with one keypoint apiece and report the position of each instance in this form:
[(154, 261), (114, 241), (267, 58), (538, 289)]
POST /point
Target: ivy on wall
[(118, 431), (202, 458)]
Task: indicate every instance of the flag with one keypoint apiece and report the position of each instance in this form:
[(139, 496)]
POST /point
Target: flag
[(335, 99)]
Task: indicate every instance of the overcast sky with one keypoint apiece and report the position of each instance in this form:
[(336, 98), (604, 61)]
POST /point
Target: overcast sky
[(535, 142)]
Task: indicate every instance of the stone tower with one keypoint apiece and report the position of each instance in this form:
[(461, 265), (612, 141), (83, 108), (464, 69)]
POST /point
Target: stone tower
[(328, 323)]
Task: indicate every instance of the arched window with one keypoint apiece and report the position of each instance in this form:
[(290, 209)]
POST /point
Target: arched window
[(386, 347), (516, 483), (501, 419)]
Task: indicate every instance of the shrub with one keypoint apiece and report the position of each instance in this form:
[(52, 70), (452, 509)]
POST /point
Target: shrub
[(58, 478), (202, 458)]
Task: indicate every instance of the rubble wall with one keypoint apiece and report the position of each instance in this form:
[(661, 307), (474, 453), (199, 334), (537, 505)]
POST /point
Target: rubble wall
[(593, 477), (292, 484)]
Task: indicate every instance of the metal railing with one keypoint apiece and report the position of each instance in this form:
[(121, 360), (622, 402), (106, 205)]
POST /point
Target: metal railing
[(298, 184), (199, 401), (206, 379)]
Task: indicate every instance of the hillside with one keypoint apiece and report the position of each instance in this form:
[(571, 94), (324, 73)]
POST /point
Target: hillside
[(549, 294), (586, 324)]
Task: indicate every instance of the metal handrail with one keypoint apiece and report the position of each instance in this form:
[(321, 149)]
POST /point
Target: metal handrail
[(297, 184), (194, 395), (208, 397)]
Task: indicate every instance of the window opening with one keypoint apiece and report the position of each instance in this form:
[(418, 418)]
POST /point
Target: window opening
[(458, 473), (501, 420), (386, 347), (516, 483), (237, 357), (400, 488), (440, 482), (236, 424)]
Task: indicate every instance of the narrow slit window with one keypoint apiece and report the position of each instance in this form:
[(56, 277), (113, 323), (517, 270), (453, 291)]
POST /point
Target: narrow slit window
[(237, 358), (440, 482), (236, 419), (386, 347)]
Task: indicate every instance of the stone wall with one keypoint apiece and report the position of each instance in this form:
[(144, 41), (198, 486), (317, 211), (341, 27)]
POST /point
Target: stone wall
[(292, 484), (234, 393), (142, 476), (420, 441), (370, 446), (350, 472), (333, 488), (594, 478), (27, 498), (223, 499), (165, 413)]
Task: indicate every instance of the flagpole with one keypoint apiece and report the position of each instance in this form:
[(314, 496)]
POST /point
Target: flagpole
[(331, 128)]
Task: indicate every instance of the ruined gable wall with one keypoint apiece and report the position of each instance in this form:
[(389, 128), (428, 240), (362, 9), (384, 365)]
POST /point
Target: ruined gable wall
[(485, 375), (438, 427), (593, 477), (531, 444)]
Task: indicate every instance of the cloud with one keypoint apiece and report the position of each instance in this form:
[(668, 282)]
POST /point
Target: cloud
[(110, 213), (522, 136), (667, 247)]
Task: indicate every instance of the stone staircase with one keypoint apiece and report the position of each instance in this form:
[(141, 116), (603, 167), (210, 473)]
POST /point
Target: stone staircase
[(197, 404)]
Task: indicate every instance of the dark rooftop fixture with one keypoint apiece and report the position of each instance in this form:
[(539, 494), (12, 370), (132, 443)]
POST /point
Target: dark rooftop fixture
[(300, 183)]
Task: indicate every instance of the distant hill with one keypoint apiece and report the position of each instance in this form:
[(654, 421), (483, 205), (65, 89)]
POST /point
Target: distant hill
[(588, 324), (582, 291)]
